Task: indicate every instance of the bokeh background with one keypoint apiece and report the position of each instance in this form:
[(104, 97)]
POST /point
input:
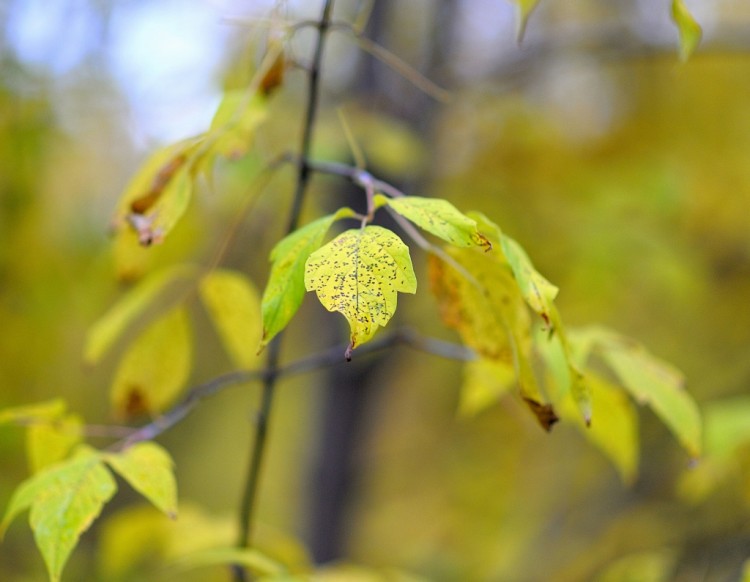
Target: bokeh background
[(622, 171)]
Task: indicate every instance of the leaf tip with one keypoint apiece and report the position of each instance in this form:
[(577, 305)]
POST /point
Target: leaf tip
[(348, 352)]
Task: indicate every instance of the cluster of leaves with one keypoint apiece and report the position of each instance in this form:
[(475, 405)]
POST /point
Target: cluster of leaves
[(487, 288), (71, 482)]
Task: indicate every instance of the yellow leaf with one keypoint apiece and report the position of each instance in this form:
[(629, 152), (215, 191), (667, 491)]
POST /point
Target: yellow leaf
[(51, 441), (615, 429), (150, 471), (110, 327), (155, 367), (689, 30), (235, 122), (525, 8), (158, 195), (359, 274), (485, 381), (234, 306)]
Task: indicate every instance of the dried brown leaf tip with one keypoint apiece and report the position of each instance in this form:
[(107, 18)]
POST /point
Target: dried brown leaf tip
[(544, 413)]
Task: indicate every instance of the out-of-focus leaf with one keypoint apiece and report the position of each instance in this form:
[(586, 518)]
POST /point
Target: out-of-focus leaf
[(615, 430), (576, 383), (158, 195), (536, 290), (64, 500), (727, 426), (41, 411), (235, 123), (50, 442), (110, 327), (479, 297), (441, 218), (150, 470), (655, 383), (525, 8), (689, 30), (253, 559), (286, 284), (234, 306), (654, 566), (155, 367), (485, 381), (139, 538), (359, 274)]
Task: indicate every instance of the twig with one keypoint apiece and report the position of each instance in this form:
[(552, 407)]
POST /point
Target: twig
[(325, 359), (247, 506)]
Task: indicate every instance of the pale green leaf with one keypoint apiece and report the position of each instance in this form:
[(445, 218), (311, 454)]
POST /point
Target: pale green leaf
[(235, 122), (727, 426), (253, 559), (615, 428), (525, 8), (441, 218), (359, 274), (536, 290), (234, 306), (689, 30), (651, 566), (64, 500), (658, 384), (51, 441), (155, 367), (27, 413), (286, 284), (150, 471), (576, 384), (485, 382), (111, 326)]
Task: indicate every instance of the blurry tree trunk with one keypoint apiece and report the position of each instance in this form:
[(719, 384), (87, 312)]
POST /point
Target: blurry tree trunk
[(351, 388)]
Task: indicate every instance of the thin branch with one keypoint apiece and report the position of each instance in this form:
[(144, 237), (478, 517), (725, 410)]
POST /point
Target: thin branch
[(395, 63), (247, 506), (325, 359)]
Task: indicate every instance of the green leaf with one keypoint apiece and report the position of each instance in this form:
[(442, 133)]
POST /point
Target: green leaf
[(235, 122), (253, 559), (576, 382), (440, 218), (155, 367), (359, 274), (234, 306), (689, 30), (42, 411), (64, 500), (110, 327), (655, 383), (51, 441), (536, 290), (286, 284), (150, 470), (727, 426), (525, 8)]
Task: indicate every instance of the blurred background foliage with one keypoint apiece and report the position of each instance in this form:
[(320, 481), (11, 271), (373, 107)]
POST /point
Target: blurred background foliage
[(622, 172)]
